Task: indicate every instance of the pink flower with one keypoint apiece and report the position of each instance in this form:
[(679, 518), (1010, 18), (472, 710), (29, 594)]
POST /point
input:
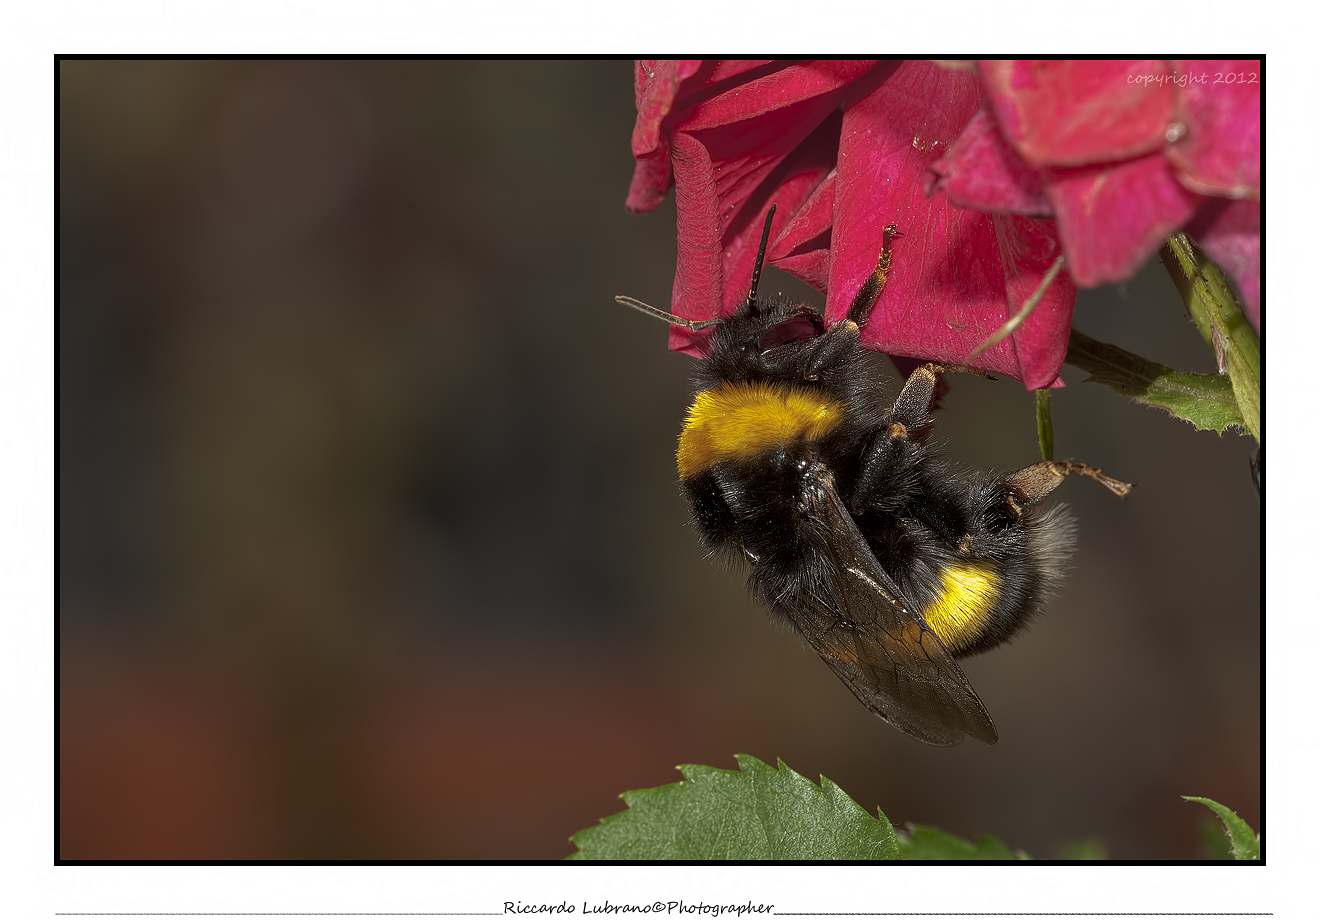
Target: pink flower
[(1121, 154), (843, 148)]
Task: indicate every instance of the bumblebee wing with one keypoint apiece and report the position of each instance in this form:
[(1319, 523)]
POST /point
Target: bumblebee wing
[(882, 650)]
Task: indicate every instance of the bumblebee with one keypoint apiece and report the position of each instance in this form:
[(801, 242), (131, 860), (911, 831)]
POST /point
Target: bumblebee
[(859, 538)]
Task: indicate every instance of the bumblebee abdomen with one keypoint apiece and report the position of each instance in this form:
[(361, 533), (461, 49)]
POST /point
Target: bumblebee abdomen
[(965, 599), (975, 604), (739, 421)]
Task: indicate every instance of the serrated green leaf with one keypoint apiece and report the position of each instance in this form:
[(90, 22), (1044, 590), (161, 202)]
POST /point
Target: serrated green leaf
[(755, 812), (933, 843), (1205, 400), (1246, 843), (1214, 842), (1214, 308)]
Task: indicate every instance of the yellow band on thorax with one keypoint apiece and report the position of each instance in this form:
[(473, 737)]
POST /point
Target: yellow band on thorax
[(739, 420), (967, 595)]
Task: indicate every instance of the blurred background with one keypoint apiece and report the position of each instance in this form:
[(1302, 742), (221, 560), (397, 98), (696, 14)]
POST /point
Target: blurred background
[(370, 540)]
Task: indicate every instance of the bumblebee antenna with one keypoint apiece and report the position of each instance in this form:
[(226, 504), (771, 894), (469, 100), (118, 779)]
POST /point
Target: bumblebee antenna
[(688, 324), (760, 259), (698, 325)]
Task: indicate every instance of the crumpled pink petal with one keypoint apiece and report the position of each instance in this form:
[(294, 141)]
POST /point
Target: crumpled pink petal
[(1028, 248), (1070, 113), (802, 247), (771, 142), (1220, 153), (664, 91), (773, 90), (650, 183), (1144, 137), (715, 256), (947, 291), (984, 172), (656, 85), (1115, 216), (1230, 236)]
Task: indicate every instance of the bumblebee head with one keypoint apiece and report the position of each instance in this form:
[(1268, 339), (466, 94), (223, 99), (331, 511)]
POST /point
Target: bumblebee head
[(762, 338)]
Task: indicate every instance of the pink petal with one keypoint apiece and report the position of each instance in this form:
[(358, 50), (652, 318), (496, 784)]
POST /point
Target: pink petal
[(650, 182), (715, 256), (1028, 247), (1220, 153), (729, 169), (665, 90), (1070, 113), (984, 172), (721, 76), (656, 85), (697, 278), (1231, 237), (784, 88), (803, 247), (1112, 218), (947, 290), (729, 69)]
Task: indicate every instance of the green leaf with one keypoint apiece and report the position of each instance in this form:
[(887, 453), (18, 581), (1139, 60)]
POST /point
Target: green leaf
[(1205, 400), (1214, 842), (932, 843), (1246, 843), (1214, 308), (755, 812)]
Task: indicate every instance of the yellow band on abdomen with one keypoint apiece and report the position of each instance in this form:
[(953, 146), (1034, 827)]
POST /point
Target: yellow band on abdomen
[(967, 595), (739, 420)]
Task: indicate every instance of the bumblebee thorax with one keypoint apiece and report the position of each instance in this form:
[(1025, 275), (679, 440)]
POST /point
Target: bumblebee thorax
[(735, 421)]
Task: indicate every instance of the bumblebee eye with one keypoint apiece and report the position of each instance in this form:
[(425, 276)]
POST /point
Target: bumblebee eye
[(803, 326)]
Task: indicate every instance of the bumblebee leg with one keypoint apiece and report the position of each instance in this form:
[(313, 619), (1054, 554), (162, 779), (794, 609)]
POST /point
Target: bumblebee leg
[(1018, 491), (870, 291), (907, 425), (1038, 480), (912, 408), (839, 340), (845, 335)]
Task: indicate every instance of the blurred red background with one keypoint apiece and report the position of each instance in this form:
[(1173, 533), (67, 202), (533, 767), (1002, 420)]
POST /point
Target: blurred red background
[(370, 539)]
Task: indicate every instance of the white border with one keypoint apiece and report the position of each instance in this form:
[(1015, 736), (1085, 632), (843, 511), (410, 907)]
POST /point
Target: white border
[(32, 35)]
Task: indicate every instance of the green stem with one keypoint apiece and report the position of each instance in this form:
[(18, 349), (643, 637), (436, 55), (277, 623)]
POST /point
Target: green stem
[(1218, 315), (1044, 427)]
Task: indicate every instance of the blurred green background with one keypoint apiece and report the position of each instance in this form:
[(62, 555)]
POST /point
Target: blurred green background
[(371, 544)]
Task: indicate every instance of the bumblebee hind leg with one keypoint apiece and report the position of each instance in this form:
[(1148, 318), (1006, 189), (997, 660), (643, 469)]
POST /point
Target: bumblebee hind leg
[(891, 449), (1038, 480), (912, 408), (1019, 491)]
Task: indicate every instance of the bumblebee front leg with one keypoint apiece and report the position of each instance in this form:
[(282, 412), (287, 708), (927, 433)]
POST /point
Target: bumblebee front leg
[(870, 291), (840, 340), (845, 335)]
